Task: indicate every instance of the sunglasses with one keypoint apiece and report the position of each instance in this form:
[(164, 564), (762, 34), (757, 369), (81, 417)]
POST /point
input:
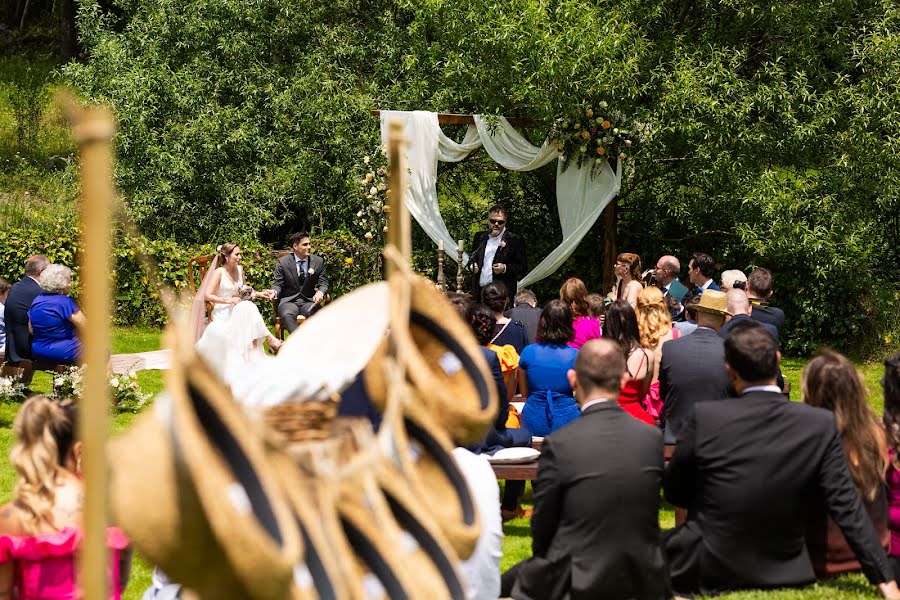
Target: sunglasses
[(496, 221)]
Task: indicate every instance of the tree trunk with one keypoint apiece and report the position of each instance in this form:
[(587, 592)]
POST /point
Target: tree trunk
[(610, 223), (24, 15), (69, 41)]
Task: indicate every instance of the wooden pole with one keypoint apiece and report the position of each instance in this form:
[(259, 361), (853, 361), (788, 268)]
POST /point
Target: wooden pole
[(459, 261), (93, 129), (440, 274), (610, 224), (399, 224)]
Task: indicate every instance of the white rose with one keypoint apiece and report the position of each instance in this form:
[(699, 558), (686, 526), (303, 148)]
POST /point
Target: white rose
[(373, 190), (366, 159), (359, 214), (368, 235), (114, 382)]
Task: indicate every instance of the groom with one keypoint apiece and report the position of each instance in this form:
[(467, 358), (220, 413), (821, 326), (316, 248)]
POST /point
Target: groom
[(300, 282)]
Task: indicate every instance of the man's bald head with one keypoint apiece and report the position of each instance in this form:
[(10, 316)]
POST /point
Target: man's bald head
[(738, 303), (667, 269), (599, 367)]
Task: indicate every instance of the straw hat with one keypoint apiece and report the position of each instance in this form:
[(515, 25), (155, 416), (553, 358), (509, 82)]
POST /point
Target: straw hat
[(714, 302), (446, 367), (192, 489)]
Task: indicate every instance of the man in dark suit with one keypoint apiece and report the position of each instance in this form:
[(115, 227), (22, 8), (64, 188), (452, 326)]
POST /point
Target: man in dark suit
[(595, 528), (300, 282), (692, 367), (526, 311), (498, 255), (701, 269), (748, 469), (759, 290), (21, 295)]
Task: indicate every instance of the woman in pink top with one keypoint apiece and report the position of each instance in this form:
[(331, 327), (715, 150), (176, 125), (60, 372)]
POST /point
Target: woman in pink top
[(574, 293), (891, 384), (40, 530)]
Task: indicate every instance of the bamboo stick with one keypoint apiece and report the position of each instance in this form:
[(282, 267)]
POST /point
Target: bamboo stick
[(93, 129), (399, 225)]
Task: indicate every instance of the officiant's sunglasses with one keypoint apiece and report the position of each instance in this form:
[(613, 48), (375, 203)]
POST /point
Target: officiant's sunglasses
[(497, 221)]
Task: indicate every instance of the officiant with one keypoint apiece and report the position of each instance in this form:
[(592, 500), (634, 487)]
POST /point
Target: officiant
[(498, 255)]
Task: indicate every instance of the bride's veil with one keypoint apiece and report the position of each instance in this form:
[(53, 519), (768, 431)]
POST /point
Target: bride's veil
[(198, 305)]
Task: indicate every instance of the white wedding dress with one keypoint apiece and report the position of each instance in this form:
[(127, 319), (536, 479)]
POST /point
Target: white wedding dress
[(232, 344)]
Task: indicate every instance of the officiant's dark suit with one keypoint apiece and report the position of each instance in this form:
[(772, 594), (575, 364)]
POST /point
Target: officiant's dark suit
[(510, 253), (749, 470), (300, 280)]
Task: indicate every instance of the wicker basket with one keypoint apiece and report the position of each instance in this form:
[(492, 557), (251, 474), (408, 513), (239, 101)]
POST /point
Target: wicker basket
[(300, 422)]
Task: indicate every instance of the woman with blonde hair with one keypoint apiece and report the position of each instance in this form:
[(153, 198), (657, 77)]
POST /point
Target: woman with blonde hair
[(574, 293), (830, 381), (628, 278), (40, 529), (655, 329)]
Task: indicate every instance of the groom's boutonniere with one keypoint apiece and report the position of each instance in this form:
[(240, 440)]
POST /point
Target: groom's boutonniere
[(311, 271)]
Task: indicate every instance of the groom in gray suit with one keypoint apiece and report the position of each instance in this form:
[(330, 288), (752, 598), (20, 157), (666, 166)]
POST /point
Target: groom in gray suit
[(300, 282)]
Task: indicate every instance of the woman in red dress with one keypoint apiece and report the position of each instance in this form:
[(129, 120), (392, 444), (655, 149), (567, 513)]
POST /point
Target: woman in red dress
[(621, 326)]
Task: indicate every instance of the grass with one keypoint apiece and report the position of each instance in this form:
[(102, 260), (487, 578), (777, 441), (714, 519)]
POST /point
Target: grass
[(517, 539)]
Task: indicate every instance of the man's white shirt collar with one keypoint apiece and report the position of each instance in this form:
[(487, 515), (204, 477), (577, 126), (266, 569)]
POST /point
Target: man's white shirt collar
[(706, 285), (762, 388), (590, 403)]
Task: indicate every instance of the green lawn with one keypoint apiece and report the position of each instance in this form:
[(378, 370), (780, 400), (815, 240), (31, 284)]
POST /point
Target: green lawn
[(517, 541)]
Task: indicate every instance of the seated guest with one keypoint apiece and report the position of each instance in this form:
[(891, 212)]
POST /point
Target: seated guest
[(690, 308), (748, 469), (595, 529), (21, 295), (574, 294), (760, 289), (701, 269), (507, 331), (692, 368), (655, 328), (733, 279), (830, 381), (739, 309), (891, 418), (549, 403), (40, 529), (525, 310), (53, 317), (622, 328), (4, 293)]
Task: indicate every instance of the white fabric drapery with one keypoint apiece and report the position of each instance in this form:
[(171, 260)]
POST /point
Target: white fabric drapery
[(580, 198)]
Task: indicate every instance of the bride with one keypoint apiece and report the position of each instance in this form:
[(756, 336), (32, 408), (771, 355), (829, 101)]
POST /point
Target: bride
[(236, 332)]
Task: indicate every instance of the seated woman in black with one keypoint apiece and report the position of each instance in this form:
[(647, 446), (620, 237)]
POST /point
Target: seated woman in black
[(506, 331)]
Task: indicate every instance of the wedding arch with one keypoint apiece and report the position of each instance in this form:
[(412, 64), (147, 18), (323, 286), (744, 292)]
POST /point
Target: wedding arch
[(582, 192)]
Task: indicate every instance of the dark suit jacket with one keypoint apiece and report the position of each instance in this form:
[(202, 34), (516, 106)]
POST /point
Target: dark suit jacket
[(289, 287), (768, 314), (714, 286), (18, 340), (723, 333), (527, 315), (750, 470), (692, 368), (512, 255), (596, 509)]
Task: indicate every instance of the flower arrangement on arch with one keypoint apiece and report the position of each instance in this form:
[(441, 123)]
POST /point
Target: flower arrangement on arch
[(371, 218), (596, 131)]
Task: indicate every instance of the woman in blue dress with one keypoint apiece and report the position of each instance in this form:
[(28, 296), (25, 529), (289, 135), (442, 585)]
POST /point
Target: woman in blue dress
[(549, 401), (53, 317)]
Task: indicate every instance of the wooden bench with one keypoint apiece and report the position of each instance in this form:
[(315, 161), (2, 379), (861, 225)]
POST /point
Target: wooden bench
[(25, 367), (528, 471)]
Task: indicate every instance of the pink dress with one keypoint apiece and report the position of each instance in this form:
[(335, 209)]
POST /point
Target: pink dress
[(586, 328), (652, 401), (45, 564)]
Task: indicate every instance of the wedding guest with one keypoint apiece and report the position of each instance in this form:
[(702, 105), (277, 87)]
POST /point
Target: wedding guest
[(40, 528), (667, 270), (597, 307), (688, 326), (622, 328), (739, 309), (527, 312), (507, 331), (574, 293), (830, 381), (747, 469), (53, 317), (549, 403), (21, 295), (628, 276), (891, 384), (733, 279), (701, 269), (4, 293), (760, 289), (655, 328)]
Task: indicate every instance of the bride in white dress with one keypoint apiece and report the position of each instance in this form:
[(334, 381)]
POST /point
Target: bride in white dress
[(236, 332)]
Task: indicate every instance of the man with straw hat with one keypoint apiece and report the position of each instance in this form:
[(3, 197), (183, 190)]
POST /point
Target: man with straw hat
[(692, 368)]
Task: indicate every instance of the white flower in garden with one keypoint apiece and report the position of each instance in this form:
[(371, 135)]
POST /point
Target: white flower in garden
[(359, 214), (384, 229), (366, 159), (616, 130), (380, 187), (132, 374), (603, 104), (368, 235), (114, 382), (373, 191), (370, 177)]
